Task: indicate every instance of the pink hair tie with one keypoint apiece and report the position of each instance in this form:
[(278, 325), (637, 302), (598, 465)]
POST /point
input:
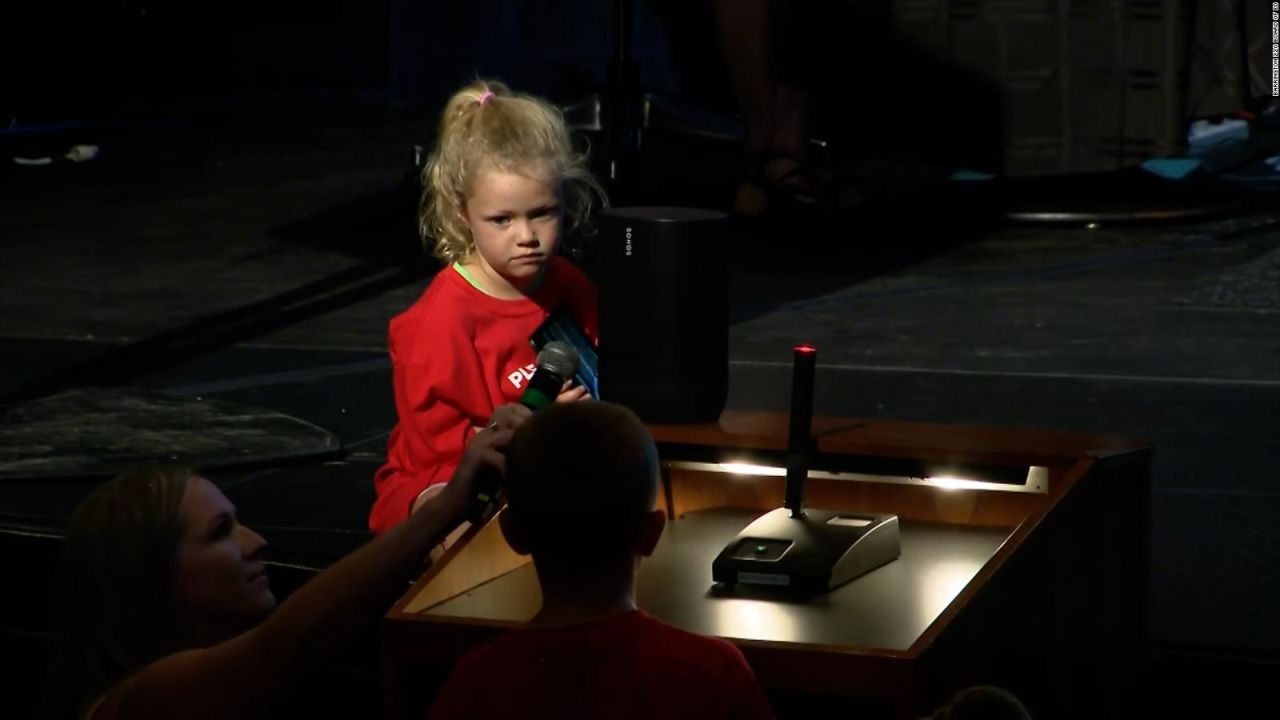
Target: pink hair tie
[(484, 96)]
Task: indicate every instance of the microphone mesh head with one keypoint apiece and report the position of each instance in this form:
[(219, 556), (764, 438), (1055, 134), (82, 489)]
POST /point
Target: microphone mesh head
[(560, 358)]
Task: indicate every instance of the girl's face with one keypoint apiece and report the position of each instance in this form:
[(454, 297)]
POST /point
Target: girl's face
[(220, 579), (515, 223)]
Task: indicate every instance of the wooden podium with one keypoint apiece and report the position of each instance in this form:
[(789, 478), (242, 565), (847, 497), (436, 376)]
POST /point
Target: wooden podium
[(1024, 564)]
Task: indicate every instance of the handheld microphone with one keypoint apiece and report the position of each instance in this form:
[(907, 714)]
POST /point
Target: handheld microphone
[(556, 363)]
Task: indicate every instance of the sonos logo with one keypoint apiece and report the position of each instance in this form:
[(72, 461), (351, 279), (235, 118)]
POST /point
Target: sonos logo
[(628, 247)]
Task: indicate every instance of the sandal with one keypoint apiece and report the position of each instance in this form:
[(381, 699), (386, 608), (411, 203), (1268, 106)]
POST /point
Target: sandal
[(762, 191)]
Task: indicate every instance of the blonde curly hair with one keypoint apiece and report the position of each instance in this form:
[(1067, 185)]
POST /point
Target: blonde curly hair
[(485, 126)]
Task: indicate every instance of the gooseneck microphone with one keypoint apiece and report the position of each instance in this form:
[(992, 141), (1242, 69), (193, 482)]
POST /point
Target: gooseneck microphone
[(799, 435), (556, 363)]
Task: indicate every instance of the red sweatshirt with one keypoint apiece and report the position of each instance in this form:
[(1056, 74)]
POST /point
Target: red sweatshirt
[(457, 354), (630, 666)]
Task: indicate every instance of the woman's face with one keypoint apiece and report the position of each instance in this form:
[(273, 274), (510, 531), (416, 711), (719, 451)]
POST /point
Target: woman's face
[(220, 577), (515, 222)]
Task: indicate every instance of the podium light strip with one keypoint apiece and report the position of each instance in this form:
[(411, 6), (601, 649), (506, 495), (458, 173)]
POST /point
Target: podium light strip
[(1037, 476)]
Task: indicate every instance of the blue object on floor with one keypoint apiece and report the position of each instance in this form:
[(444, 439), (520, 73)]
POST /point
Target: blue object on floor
[(1171, 168), (969, 175), (1204, 135)]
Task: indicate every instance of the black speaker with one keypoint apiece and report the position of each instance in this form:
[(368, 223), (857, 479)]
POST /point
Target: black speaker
[(664, 319)]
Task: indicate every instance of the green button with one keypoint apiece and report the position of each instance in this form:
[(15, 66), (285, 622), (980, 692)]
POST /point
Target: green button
[(761, 549)]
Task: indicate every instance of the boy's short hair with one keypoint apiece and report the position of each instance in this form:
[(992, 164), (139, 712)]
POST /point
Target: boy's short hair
[(581, 477), (983, 702)]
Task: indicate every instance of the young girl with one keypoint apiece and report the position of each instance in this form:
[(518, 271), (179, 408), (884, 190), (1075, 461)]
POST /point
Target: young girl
[(497, 192)]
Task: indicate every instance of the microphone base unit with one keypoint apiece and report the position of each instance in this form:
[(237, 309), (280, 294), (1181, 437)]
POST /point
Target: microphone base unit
[(812, 553)]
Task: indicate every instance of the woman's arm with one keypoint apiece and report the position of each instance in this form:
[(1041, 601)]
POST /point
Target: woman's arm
[(244, 674)]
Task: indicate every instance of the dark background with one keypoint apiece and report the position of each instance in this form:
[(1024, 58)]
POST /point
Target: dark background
[(248, 231)]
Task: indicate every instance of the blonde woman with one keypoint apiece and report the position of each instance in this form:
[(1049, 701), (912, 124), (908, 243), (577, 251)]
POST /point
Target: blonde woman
[(167, 610)]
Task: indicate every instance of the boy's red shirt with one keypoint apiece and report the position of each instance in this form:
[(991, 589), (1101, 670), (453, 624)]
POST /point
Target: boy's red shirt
[(630, 666)]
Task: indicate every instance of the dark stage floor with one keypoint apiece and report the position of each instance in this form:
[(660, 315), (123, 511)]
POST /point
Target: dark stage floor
[(923, 305)]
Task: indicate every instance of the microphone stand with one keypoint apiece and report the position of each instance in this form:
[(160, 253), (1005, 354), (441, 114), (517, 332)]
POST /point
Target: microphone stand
[(806, 551)]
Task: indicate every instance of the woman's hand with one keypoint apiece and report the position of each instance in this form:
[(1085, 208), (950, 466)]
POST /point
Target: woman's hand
[(572, 393), (507, 417), (484, 449)]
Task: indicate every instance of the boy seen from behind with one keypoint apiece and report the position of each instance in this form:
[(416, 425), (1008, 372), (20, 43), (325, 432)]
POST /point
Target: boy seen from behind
[(581, 485)]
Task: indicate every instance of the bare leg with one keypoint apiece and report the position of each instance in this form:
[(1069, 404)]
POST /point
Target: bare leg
[(790, 120), (747, 43), (775, 115), (789, 139)]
